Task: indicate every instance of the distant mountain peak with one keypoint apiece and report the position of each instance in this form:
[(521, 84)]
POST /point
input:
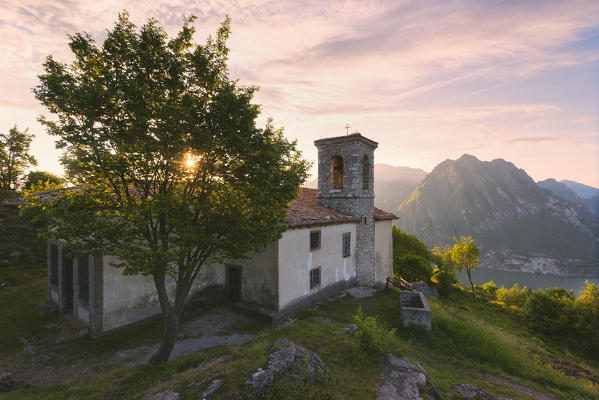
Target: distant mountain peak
[(517, 223)]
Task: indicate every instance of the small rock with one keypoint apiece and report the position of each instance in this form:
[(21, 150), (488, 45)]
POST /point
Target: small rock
[(468, 391), (212, 388), (351, 329), (166, 395), (16, 254), (403, 380), (2, 284), (361, 292), (261, 381), (7, 383)]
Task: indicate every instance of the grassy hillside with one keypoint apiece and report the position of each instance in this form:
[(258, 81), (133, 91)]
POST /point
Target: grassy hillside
[(472, 341)]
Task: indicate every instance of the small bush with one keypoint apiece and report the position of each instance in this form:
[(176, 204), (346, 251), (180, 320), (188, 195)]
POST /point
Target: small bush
[(514, 296), (552, 311), (373, 335), (490, 288), (413, 268)]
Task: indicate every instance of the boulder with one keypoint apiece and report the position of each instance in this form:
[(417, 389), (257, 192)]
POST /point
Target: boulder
[(403, 380), (288, 359)]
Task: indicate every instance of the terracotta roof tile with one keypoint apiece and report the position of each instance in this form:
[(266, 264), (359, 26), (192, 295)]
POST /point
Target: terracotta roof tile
[(306, 211)]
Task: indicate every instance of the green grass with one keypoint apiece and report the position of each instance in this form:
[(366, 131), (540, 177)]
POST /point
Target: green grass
[(470, 341), (25, 279)]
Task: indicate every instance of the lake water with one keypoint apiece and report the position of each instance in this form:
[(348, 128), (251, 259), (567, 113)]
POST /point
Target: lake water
[(533, 281)]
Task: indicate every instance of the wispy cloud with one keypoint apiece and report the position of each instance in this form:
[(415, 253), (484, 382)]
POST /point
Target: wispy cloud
[(427, 77)]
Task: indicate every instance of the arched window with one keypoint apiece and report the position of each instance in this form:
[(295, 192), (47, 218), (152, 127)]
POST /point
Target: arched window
[(365, 173), (337, 172)]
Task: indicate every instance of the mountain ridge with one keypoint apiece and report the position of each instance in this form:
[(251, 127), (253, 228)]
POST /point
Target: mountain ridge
[(518, 224)]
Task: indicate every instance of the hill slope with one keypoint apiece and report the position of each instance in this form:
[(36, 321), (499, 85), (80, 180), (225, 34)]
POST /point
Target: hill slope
[(518, 225)]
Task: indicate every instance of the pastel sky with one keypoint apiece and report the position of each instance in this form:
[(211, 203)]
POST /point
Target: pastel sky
[(428, 80)]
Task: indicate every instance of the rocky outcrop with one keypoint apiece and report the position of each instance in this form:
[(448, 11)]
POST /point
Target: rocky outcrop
[(403, 380), (288, 359)]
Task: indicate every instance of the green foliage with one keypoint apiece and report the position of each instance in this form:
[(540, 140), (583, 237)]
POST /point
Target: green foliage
[(552, 311), (373, 335), (513, 296), (172, 172), (412, 268), (14, 157), (490, 288), (445, 271), (558, 313), (465, 256), (587, 306), (40, 177), (411, 258)]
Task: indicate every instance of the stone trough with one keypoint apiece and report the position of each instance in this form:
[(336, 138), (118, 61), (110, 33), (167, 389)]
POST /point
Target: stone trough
[(414, 309)]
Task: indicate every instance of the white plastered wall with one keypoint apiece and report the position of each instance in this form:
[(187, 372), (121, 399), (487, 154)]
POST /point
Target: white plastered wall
[(383, 247), (296, 260), (131, 298)]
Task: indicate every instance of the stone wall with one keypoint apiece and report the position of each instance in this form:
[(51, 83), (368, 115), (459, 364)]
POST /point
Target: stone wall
[(356, 197), (415, 309)]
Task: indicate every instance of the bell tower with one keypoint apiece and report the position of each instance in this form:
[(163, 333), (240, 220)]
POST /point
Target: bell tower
[(346, 183)]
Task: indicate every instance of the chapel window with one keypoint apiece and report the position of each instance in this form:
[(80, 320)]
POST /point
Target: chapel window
[(346, 244), (314, 240), (314, 278), (337, 172)]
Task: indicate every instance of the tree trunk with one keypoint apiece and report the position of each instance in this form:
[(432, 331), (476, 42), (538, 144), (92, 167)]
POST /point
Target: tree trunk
[(471, 284), (171, 317), (169, 337)]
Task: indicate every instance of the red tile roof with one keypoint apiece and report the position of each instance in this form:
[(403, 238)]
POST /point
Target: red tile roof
[(306, 211)]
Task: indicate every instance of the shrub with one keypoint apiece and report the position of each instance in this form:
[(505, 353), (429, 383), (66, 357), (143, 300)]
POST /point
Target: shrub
[(513, 296), (373, 335), (444, 272), (411, 257), (490, 288), (412, 268), (587, 306), (552, 311)]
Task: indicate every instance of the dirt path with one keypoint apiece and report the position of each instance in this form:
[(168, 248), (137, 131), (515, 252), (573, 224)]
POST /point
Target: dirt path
[(50, 364)]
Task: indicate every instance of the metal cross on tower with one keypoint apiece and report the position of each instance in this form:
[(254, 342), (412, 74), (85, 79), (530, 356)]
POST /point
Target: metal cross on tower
[(347, 129)]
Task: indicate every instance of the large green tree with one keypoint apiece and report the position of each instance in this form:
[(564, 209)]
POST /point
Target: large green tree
[(172, 172), (14, 157)]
